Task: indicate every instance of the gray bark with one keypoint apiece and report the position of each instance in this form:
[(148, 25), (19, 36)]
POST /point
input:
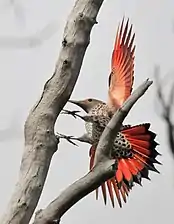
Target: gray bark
[(40, 141)]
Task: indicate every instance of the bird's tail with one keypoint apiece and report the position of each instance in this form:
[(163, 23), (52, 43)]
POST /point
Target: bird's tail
[(131, 170)]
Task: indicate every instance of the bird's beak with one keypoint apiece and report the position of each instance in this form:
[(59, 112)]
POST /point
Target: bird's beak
[(74, 101), (79, 103)]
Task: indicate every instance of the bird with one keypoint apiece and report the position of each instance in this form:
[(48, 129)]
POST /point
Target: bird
[(134, 147)]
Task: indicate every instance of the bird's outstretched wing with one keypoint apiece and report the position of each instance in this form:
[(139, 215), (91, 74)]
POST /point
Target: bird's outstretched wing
[(122, 66)]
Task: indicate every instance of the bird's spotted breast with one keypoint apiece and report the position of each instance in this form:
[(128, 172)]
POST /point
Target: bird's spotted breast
[(101, 119), (101, 113)]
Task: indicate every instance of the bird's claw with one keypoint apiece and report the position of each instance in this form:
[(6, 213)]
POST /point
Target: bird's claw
[(69, 138), (72, 113)]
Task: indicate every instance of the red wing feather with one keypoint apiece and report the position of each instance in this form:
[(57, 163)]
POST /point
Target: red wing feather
[(122, 66)]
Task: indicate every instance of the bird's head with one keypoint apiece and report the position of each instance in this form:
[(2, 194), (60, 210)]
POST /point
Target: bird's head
[(86, 104)]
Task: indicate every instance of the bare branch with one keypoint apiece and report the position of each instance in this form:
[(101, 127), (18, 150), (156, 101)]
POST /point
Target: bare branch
[(171, 96), (18, 10), (159, 88), (75, 192), (30, 41), (103, 170), (166, 109), (40, 140)]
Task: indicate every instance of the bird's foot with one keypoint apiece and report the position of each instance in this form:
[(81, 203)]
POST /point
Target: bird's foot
[(73, 113), (69, 138)]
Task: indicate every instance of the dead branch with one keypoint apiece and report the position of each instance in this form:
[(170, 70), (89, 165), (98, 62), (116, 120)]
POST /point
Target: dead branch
[(40, 140), (18, 9), (167, 107), (31, 41), (75, 192), (104, 166)]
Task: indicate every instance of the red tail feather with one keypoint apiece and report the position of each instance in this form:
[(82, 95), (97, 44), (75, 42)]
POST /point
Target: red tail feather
[(134, 168), (110, 191)]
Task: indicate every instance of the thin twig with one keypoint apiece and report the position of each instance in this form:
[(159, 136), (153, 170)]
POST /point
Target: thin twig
[(166, 108)]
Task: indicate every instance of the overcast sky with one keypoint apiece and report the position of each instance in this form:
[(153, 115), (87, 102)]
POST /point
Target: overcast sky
[(24, 70)]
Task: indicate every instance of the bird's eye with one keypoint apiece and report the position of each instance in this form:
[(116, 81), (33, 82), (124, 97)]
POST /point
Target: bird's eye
[(89, 100)]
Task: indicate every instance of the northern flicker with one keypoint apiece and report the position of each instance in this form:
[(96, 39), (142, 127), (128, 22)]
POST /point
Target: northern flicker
[(134, 146)]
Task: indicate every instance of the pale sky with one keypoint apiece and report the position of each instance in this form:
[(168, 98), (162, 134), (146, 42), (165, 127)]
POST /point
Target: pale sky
[(24, 70)]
